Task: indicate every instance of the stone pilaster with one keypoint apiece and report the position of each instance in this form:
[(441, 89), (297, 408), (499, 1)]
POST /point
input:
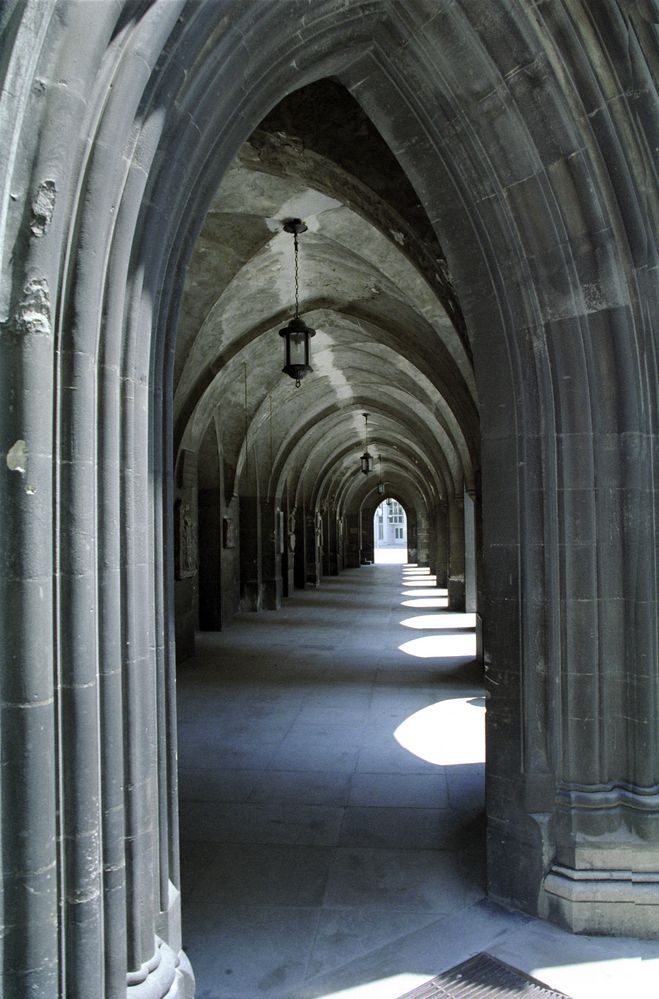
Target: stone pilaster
[(300, 553), (331, 542), (352, 540), (367, 538), (471, 555), (251, 572), (273, 541), (456, 567), (439, 561), (313, 547), (210, 559)]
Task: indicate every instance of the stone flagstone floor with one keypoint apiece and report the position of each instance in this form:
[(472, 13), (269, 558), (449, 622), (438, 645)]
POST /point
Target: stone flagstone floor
[(331, 769)]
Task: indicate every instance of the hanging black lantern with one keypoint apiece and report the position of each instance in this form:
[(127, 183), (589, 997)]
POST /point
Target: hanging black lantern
[(366, 460), (296, 335), (380, 482)]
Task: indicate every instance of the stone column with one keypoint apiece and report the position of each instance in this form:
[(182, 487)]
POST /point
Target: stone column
[(326, 558), (412, 538), (287, 555), (28, 733), (471, 581), (186, 574), (230, 560), (340, 544), (456, 578), (439, 561), (139, 679), (251, 578), (272, 534), (604, 876), (367, 542), (352, 540), (210, 559), (300, 553), (313, 550), (423, 548), (331, 542)]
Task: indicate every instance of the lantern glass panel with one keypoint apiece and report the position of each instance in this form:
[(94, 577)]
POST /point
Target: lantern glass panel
[(366, 463), (296, 348)]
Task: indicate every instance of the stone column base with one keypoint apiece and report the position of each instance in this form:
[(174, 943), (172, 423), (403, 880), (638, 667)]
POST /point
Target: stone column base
[(167, 975), (616, 903), (456, 593), (251, 596), (272, 593)]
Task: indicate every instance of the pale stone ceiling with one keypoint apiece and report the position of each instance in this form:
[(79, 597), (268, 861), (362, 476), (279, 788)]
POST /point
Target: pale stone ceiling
[(373, 284)]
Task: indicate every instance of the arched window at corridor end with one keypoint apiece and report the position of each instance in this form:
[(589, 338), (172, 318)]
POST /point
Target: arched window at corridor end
[(390, 532)]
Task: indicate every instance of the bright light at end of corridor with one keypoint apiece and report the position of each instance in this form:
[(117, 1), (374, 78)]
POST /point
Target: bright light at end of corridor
[(389, 556), (447, 733)]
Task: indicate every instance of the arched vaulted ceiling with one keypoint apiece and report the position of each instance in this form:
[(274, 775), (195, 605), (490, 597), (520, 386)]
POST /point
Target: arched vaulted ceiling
[(527, 128), (390, 339)]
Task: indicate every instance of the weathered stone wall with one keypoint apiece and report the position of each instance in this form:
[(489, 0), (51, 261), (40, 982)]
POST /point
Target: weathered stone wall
[(525, 130)]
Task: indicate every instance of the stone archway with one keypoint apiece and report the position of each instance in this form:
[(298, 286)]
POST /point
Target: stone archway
[(523, 133)]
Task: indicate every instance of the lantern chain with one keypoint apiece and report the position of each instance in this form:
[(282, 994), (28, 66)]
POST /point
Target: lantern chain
[(297, 279), (297, 291)]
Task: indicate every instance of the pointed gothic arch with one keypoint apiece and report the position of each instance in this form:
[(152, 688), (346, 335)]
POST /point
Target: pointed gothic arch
[(523, 131)]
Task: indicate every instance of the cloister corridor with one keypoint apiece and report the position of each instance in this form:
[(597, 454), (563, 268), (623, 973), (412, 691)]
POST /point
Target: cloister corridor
[(331, 780)]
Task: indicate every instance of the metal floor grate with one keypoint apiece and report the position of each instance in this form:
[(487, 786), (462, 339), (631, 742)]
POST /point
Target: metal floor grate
[(483, 977)]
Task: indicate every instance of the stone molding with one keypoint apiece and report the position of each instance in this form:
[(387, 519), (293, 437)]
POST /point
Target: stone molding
[(604, 901), (167, 975)]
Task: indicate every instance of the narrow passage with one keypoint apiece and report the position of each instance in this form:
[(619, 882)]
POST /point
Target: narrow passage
[(331, 768)]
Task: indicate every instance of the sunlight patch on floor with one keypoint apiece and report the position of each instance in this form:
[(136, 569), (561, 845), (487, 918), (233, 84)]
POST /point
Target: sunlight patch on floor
[(578, 979), (384, 988), (447, 733), (422, 591), (429, 622), (435, 602), (441, 646)]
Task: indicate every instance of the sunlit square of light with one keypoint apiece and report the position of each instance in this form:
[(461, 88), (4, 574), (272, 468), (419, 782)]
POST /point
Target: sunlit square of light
[(419, 592), (434, 602), (432, 622), (447, 733), (383, 988), (443, 646)]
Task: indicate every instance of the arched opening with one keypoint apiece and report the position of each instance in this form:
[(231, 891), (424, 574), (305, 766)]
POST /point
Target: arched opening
[(390, 532), (524, 132), (290, 463)]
